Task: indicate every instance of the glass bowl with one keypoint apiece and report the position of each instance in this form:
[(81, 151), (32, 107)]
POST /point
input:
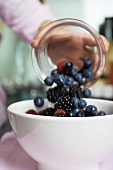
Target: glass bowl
[(64, 39)]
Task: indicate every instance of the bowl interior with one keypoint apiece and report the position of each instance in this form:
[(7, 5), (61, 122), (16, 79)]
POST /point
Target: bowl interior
[(21, 107)]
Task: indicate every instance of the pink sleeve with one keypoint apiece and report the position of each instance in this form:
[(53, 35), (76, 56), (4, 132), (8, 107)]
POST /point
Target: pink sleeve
[(24, 16)]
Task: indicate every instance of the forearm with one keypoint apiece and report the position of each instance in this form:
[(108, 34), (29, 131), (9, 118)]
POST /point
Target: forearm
[(24, 17)]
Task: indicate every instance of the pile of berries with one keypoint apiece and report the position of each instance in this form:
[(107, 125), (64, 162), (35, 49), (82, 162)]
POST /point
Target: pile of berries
[(67, 95)]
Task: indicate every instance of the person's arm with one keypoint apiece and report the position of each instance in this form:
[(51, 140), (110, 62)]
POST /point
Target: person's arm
[(24, 17)]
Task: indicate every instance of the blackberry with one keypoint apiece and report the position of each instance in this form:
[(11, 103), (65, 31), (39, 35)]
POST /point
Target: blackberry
[(72, 90), (53, 94), (48, 111), (79, 92), (66, 103), (75, 90)]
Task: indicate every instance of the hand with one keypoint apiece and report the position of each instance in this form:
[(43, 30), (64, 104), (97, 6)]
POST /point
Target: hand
[(74, 46)]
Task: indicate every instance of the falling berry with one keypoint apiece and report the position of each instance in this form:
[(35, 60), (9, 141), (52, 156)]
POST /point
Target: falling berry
[(38, 101), (60, 66)]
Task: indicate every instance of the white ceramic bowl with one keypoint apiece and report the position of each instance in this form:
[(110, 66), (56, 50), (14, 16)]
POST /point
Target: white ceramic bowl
[(64, 143)]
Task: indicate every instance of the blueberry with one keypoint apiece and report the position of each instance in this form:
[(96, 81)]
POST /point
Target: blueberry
[(77, 76), (87, 63), (76, 100), (68, 65), (73, 71), (38, 101), (87, 93), (53, 72), (71, 114), (77, 110), (81, 114), (101, 113), (48, 81), (69, 80), (82, 103), (55, 77), (59, 80), (91, 110), (82, 80), (87, 73)]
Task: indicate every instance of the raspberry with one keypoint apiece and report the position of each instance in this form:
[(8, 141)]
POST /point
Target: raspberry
[(60, 66), (60, 112), (32, 112)]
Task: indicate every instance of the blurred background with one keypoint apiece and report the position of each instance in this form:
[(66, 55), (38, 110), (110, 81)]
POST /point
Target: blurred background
[(17, 74)]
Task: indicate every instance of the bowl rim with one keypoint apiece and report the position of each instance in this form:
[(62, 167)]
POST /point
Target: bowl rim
[(10, 109)]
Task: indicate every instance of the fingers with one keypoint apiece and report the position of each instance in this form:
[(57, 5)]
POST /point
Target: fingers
[(106, 43), (88, 40), (35, 43)]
